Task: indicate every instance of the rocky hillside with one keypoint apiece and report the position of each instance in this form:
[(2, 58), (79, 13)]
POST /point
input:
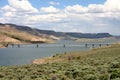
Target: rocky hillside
[(15, 34)]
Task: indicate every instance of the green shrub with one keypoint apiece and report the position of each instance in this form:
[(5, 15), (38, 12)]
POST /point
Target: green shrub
[(115, 65), (115, 73), (104, 76), (78, 57), (90, 77), (1, 75)]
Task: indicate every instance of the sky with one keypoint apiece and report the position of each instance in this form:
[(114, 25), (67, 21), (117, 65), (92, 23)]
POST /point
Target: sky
[(84, 16)]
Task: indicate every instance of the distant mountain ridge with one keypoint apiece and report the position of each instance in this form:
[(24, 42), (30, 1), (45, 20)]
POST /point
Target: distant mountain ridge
[(38, 32), (89, 35)]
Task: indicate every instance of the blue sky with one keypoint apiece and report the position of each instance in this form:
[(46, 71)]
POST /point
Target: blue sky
[(63, 3), (86, 16)]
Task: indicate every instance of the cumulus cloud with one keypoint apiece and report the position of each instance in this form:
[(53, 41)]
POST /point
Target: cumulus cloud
[(48, 17), (54, 3), (49, 9), (95, 8), (76, 9), (93, 18), (16, 11), (96, 17), (112, 5), (8, 8), (22, 5)]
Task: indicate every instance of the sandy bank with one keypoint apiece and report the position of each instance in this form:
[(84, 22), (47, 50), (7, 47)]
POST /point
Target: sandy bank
[(1, 46), (39, 61), (47, 60)]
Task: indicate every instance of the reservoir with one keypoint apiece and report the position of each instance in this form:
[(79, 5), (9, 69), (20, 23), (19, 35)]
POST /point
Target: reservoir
[(25, 53)]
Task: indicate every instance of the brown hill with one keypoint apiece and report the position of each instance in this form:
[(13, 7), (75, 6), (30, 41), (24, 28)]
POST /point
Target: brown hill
[(12, 35)]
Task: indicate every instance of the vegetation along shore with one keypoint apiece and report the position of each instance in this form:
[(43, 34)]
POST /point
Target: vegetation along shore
[(97, 64)]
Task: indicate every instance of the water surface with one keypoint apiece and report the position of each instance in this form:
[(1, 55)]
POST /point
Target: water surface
[(26, 53)]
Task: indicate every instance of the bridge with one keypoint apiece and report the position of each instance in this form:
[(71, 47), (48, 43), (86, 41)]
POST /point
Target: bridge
[(87, 45)]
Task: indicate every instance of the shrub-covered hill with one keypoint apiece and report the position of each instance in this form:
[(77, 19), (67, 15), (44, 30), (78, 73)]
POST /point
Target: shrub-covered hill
[(97, 64)]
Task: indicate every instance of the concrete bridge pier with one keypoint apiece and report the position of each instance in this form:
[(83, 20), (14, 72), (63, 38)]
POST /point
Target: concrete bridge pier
[(93, 45), (37, 46), (86, 45), (18, 45), (100, 45), (12, 45)]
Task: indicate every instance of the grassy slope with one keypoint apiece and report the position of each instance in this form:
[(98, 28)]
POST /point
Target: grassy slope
[(97, 64)]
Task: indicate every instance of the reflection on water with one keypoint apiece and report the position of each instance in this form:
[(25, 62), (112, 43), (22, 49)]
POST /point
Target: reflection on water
[(24, 54)]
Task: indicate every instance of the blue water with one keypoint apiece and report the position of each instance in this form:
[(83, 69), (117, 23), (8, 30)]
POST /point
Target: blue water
[(28, 52)]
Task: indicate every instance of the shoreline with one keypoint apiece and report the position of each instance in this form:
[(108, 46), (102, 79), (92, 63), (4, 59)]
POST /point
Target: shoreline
[(1, 46), (4, 45), (99, 64), (54, 58)]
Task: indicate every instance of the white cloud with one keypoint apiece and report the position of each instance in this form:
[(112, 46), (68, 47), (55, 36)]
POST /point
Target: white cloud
[(93, 18), (8, 8), (8, 11), (49, 9), (95, 8), (16, 11), (112, 5), (22, 5), (76, 9), (54, 3), (8, 14), (47, 18)]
